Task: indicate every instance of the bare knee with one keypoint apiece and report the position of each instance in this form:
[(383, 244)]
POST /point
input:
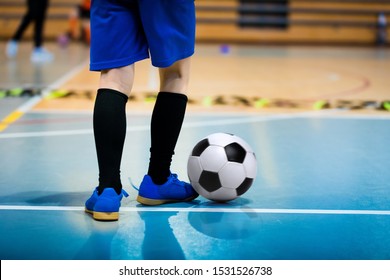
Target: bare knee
[(175, 78), (120, 79)]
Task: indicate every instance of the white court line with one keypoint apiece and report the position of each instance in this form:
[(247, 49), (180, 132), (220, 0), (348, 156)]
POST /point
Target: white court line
[(229, 121), (384, 116), (205, 210), (28, 105)]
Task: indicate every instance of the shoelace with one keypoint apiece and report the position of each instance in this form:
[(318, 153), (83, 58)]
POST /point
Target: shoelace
[(131, 183), (125, 193), (137, 189)]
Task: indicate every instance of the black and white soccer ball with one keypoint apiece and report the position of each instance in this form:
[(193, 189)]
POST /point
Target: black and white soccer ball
[(222, 167)]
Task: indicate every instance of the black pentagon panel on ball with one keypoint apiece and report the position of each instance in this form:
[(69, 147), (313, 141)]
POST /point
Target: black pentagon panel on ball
[(200, 147), (235, 152), (245, 185), (210, 181)]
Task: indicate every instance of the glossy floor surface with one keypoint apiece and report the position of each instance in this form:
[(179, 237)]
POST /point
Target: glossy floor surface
[(322, 189)]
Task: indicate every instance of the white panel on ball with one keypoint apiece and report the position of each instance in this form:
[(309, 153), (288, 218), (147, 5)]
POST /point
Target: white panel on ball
[(223, 194), (220, 139), (232, 175), (213, 158), (200, 190), (194, 168), (250, 165)]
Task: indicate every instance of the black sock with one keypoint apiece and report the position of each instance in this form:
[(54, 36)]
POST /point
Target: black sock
[(167, 118), (109, 125)]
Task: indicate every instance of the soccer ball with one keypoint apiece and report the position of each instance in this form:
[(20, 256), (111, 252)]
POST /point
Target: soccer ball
[(222, 167)]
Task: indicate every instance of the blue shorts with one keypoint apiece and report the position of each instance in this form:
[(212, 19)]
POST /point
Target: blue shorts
[(126, 31)]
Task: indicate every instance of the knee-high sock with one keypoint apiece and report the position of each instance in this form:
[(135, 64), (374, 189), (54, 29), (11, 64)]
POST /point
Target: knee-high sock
[(167, 119), (109, 125)]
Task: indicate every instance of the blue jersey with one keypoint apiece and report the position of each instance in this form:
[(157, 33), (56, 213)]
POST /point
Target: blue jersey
[(126, 31)]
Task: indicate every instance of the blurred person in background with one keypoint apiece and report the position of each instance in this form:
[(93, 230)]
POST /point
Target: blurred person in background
[(36, 12)]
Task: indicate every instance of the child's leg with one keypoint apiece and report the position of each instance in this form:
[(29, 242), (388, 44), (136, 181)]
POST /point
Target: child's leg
[(160, 185), (109, 123), (167, 118)]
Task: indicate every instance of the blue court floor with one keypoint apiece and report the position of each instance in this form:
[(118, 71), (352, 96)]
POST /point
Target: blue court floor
[(322, 191)]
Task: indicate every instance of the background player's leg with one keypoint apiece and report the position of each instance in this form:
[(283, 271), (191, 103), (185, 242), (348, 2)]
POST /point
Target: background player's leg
[(13, 44), (28, 17), (38, 10), (109, 121), (39, 14), (167, 118)]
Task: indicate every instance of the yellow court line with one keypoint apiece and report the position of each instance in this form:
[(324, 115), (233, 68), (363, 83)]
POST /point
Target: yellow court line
[(19, 112), (11, 118)]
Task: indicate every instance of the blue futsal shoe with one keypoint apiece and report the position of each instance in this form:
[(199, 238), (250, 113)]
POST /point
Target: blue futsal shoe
[(171, 191), (105, 207)]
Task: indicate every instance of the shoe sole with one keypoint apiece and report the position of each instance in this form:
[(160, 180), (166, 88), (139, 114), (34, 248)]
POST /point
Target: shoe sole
[(153, 202), (103, 216)]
